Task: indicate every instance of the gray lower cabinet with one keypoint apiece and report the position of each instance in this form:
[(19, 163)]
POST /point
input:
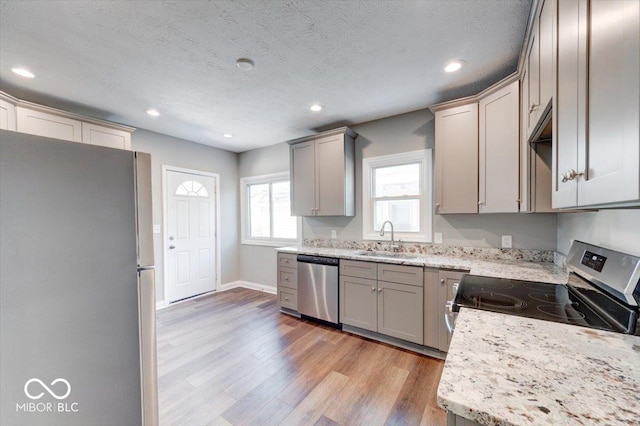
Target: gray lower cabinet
[(287, 281), (400, 311), (391, 308), (447, 280), (359, 302), (455, 420), (438, 290)]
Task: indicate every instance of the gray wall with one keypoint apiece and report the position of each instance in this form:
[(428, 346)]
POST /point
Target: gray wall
[(257, 264), (413, 131), (406, 132), (616, 229), (167, 150)]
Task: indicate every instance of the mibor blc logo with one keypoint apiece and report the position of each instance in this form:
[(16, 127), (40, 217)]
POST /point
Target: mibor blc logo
[(35, 389)]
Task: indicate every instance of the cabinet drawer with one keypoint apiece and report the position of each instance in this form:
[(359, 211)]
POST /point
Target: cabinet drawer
[(287, 260), (288, 277), (354, 268), (288, 298), (411, 275)]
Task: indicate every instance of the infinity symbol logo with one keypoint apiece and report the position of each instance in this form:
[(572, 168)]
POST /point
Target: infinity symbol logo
[(52, 393)]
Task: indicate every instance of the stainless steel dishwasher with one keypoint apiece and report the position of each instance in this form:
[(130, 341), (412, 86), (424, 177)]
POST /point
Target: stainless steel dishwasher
[(318, 287)]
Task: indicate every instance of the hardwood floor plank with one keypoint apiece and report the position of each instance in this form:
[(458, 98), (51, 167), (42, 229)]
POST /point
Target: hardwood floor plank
[(198, 410), (232, 358), (414, 396), (310, 408), (271, 414)]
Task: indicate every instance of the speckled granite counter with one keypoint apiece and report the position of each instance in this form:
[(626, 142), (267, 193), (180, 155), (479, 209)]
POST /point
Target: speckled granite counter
[(509, 370), (512, 269)]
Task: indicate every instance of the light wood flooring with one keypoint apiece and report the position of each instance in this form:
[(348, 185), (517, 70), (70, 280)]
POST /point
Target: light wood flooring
[(233, 358)]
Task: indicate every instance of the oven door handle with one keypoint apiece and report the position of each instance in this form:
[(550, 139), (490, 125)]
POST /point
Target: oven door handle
[(448, 316)]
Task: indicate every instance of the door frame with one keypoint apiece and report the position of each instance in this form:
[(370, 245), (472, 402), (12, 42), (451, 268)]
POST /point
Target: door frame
[(165, 224)]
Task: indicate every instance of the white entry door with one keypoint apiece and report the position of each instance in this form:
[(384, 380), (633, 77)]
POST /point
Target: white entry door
[(191, 234)]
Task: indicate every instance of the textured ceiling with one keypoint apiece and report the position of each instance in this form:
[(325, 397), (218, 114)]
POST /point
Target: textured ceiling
[(362, 60)]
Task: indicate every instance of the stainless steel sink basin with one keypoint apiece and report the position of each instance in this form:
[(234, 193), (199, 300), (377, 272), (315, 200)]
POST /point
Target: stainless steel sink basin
[(387, 254)]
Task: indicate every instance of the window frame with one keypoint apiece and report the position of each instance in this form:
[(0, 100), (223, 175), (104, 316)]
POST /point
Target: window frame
[(424, 157), (245, 212)]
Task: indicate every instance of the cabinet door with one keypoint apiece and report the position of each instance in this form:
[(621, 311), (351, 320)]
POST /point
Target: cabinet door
[(330, 176), (546, 46), (105, 136), (400, 311), (448, 279), (288, 298), (611, 161), (432, 308), (569, 102), (7, 116), (533, 89), (457, 160), (499, 151), (358, 302), (303, 186), (48, 125)]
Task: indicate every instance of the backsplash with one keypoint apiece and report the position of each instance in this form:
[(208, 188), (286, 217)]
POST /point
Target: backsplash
[(431, 249)]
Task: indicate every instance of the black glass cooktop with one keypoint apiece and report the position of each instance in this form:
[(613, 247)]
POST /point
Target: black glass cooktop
[(550, 302)]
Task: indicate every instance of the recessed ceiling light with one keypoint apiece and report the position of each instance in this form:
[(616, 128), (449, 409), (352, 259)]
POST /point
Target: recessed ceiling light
[(23, 72), (153, 112), (245, 64), (316, 107), (228, 135), (454, 66)]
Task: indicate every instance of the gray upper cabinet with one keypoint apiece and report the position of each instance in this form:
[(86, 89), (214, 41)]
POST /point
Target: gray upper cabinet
[(596, 155), (538, 73), (456, 154), (322, 174), (499, 151)]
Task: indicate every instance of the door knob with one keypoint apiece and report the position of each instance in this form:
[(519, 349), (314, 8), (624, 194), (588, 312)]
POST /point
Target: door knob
[(171, 247)]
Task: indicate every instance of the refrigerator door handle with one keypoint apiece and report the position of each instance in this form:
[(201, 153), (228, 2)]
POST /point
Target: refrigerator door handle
[(148, 345), (144, 210)]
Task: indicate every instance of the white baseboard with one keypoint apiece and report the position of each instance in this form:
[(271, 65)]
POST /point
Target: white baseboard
[(224, 287), (247, 284)]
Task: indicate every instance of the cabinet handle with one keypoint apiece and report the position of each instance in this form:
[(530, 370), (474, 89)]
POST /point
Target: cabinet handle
[(441, 280), (380, 290), (480, 203), (570, 175), (373, 289), (532, 108), (286, 278), (286, 298)]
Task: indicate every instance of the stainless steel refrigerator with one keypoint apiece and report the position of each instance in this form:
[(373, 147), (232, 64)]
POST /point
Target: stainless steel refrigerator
[(77, 296)]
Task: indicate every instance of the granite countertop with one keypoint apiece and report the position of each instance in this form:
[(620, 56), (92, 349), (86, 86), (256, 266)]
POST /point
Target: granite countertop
[(510, 370), (512, 269)]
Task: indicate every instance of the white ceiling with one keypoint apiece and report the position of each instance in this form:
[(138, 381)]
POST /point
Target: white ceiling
[(362, 60)]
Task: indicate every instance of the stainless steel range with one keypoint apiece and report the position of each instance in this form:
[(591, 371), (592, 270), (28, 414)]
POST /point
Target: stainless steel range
[(603, 292)]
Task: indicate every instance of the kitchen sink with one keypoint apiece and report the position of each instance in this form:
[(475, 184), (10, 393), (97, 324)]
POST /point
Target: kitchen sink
[(395, 255)]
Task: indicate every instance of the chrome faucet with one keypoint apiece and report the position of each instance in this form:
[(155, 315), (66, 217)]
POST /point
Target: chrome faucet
[(394, 247)]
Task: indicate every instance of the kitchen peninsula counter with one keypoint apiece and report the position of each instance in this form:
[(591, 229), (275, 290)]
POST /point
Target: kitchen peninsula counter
[(510, 370)]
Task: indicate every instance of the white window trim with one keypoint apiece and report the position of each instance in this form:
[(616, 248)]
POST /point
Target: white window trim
[(423, 156), (244, 213)]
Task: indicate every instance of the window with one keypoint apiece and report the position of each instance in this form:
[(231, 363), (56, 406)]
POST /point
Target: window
[(266, 210), (398, 188), (191, 188)]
